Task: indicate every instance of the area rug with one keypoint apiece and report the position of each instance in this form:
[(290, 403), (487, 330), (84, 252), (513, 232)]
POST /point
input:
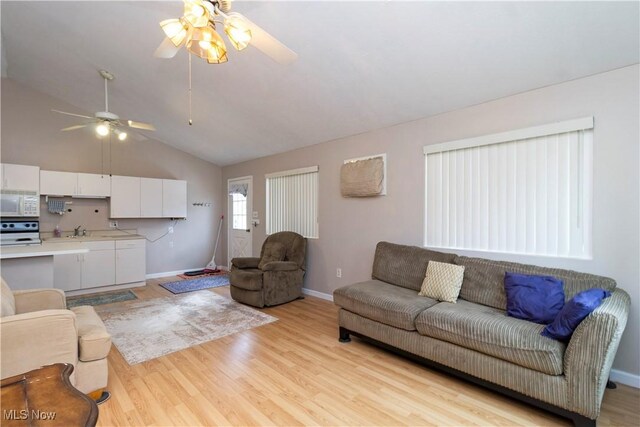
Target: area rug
[(101, 299), (196, 284), (148, 329)]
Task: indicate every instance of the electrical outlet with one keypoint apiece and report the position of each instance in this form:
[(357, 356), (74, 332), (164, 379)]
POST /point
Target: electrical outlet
[(113, 224), (339, 272), (170, 230)]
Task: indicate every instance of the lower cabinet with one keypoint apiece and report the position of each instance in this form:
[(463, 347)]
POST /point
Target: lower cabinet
[(107, 263)]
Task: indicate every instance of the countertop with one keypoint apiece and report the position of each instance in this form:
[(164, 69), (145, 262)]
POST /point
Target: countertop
[(45, 249), (91, 238)]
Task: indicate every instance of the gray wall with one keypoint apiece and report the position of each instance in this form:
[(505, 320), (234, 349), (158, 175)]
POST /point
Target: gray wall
[(31, 135), (350, 228)]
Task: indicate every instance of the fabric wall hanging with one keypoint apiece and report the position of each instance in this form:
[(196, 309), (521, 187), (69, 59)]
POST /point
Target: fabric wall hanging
[(363, 177)]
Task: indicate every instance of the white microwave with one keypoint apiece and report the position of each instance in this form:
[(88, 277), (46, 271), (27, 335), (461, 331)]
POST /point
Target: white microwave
[(19, 203)]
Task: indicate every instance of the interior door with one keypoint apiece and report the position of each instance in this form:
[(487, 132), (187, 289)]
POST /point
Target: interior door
[(239, 224)]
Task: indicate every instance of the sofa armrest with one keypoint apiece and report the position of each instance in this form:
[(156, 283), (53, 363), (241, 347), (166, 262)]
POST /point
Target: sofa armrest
[(39, 299), (591, 351), (248, 262), (31, 340), (280, 266)]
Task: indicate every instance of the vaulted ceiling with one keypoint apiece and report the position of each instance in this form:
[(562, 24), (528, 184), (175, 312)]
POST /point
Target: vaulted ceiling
[(361, 66)]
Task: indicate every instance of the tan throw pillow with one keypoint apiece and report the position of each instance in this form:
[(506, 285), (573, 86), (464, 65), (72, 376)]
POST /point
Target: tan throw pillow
[(272, 252), (442, 281)]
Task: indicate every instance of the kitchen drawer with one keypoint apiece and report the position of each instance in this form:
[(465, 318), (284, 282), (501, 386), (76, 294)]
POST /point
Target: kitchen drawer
[(100, 245), (130, 244)]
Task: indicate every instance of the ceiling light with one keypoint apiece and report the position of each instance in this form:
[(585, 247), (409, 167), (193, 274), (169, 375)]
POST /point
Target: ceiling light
[(102, 129), (121, 135), (237, 31), (175, 29), (207, 44), (196, 13)]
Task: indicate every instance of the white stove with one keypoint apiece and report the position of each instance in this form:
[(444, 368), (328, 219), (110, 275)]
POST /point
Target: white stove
[(19, 232)]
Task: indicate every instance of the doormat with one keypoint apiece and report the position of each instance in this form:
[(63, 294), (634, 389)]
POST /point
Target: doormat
[(197, 284), (219, 273), (147, 329), (101, 299)]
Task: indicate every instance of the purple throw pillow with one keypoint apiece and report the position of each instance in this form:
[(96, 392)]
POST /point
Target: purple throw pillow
[(537, 299), (574, 312)]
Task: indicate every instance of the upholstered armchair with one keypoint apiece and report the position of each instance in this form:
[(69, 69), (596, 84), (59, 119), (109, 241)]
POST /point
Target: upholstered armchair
[(37, 330), (274, 278)]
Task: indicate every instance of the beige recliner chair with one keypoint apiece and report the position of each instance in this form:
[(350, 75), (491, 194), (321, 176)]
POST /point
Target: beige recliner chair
[(37, 330), (274, 278)]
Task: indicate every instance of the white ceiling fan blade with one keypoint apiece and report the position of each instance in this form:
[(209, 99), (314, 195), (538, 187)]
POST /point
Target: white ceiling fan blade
[(166, 50), (72, 114), (267, 44), (73, 127), (139, 125)]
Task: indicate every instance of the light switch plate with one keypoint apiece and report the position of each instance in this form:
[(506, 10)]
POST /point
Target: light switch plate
[(254, 215)]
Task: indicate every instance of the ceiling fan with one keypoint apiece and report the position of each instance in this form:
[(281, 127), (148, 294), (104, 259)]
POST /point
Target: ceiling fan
[(105, 121), (196, 30)]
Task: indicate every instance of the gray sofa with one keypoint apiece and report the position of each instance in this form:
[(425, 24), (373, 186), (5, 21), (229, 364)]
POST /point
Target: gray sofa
[(476, 340)]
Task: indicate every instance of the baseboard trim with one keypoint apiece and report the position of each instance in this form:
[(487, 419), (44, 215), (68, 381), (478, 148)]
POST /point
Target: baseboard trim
[(103, 289), (625, 378), (317, 294), (170, 273)]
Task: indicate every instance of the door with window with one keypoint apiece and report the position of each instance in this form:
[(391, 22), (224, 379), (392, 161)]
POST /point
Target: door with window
[(240, 208)]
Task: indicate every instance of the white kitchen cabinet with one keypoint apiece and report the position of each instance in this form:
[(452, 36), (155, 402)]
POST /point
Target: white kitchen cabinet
[(67, 272), (150, 198), (98, 265), (125, 197), (93, 185), (20, 177), (174, 198), (130, 261), (56, 183)]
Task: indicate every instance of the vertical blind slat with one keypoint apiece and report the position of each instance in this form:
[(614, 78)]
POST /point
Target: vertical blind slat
[(292, 204)]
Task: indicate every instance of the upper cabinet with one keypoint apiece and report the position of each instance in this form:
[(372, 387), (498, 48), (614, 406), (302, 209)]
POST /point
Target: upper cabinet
[(133, 197), (20, 177), (174, 198), (125, 197), (73, 184)]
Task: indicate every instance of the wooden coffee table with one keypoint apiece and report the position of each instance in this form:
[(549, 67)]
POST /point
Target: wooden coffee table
[(45, 397)]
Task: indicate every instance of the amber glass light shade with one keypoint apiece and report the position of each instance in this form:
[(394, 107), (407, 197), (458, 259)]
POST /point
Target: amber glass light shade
[(175, 29), (207, 44), (237, 31), (196, 13)]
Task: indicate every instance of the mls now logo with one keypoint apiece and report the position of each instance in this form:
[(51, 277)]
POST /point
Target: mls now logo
[(23, 414)]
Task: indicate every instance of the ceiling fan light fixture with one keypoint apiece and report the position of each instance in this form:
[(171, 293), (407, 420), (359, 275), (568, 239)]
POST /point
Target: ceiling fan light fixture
[(207, 44), (102, 129), (176, 30), (237, 31), (196, 13), (121, 135)]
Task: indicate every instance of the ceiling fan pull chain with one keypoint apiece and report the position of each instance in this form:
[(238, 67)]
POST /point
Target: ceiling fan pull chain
[(190, 121)]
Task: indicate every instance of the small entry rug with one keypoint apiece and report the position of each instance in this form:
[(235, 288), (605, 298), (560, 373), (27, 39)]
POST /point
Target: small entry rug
[(147, 329), (101, 299), (196, 284)]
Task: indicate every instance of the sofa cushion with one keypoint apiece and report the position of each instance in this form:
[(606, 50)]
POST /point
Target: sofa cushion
[(272, 251), (93, 339), (442, 281), (382, 302), (249, 279), (490, 331), (484, 280), (403, 265)]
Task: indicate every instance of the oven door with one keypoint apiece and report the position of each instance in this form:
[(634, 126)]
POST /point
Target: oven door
[(11, 205)]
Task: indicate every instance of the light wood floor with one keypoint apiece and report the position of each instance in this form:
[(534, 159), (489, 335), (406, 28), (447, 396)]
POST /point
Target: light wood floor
[(295, 372)]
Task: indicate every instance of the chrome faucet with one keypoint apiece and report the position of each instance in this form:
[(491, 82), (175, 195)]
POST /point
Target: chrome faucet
[(76, 231)]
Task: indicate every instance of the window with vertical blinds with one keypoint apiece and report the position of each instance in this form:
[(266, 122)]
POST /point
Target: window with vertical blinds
[(292, 201), (523, 192)]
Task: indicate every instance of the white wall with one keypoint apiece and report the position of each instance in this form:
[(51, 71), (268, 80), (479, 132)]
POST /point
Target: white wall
[(350, 228), (31, 136)]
